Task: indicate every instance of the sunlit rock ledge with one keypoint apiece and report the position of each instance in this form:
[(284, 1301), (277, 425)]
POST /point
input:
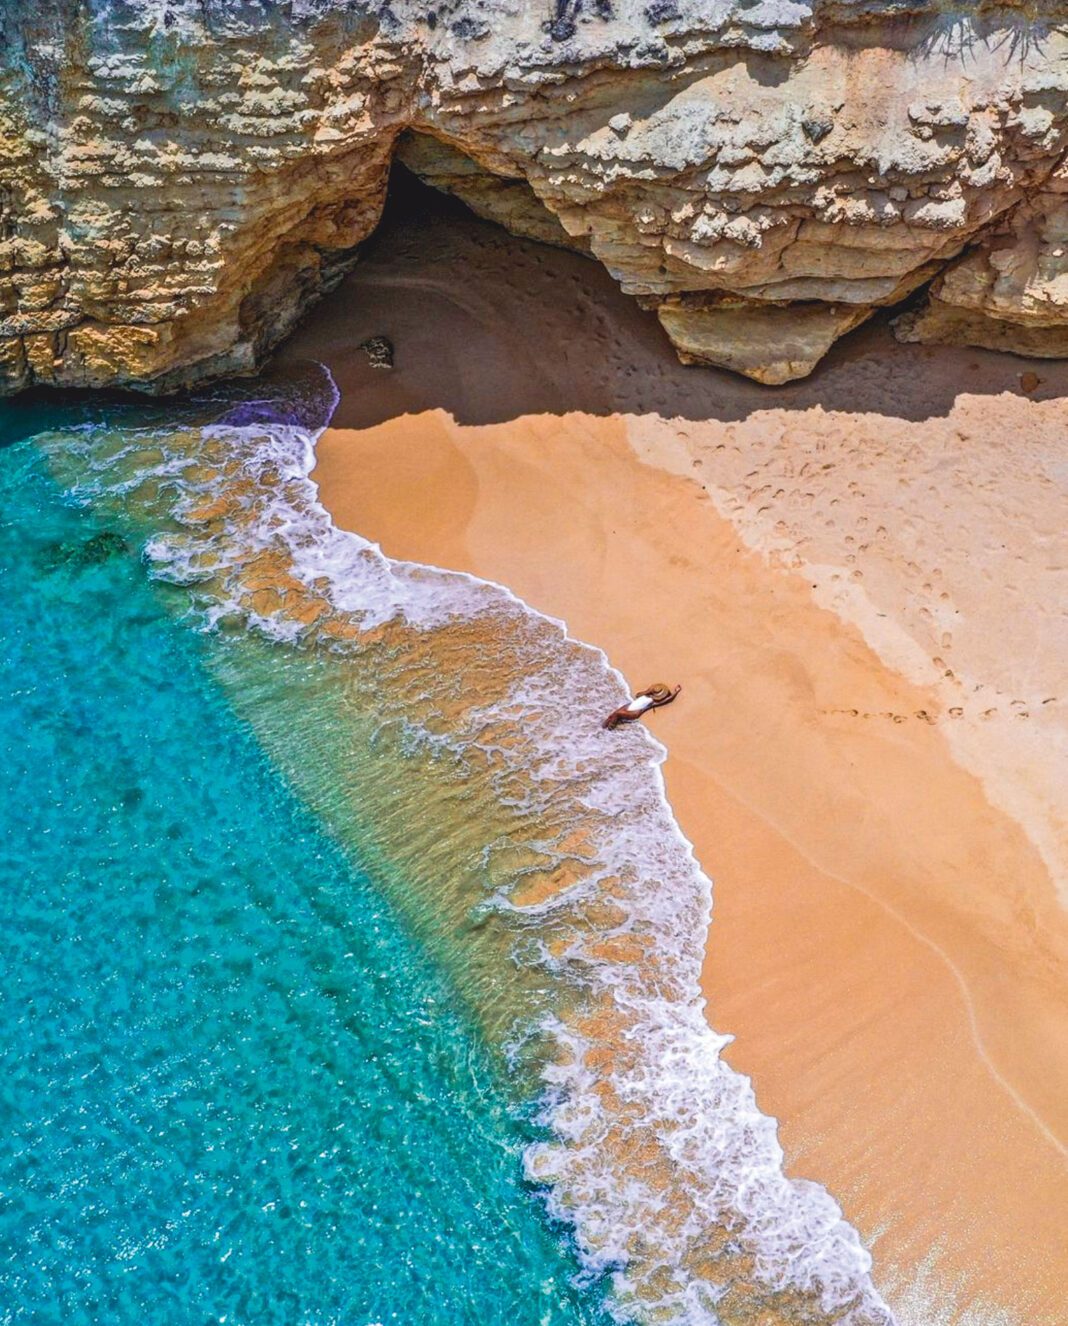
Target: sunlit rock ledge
[(181, 179)]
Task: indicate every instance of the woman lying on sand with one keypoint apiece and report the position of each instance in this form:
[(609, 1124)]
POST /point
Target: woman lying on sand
[(651, 698)]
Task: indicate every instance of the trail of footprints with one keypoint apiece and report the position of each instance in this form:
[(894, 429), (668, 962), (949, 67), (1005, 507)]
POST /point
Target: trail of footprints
[(779, 484), (1014, 709)]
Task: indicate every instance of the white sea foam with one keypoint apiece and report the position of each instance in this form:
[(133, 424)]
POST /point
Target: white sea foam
[(663, 1164)]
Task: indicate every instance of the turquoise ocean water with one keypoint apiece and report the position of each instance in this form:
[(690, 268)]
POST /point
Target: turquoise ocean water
[(232, 1088), (351, 970)]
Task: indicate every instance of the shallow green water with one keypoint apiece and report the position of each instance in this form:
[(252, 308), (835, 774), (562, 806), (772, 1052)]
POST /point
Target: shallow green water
[(232, 1089)]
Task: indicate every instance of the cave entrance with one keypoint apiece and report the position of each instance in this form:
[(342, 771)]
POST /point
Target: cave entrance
[(508, 202), (491, 309)]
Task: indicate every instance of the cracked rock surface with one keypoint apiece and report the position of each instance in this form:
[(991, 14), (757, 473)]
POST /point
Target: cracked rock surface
[(181, 179)]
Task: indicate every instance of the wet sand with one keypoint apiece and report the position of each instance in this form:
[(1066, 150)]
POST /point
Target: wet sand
[(859, 581)]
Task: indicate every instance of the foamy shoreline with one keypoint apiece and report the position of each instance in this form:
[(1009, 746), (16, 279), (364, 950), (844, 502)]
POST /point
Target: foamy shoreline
[(657, 1153), (564, 511)]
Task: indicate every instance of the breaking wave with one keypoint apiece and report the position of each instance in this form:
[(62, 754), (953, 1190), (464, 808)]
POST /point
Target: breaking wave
[(539, 850)]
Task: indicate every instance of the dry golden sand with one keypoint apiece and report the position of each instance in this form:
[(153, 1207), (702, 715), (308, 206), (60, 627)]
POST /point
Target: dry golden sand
[(887, 945), (860, 581)]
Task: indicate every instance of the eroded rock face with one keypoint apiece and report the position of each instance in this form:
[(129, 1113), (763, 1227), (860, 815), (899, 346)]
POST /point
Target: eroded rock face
[(180, 179), (1011, 291)]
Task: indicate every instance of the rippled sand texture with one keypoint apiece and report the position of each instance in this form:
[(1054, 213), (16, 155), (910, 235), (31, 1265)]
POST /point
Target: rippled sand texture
[(860, 582)]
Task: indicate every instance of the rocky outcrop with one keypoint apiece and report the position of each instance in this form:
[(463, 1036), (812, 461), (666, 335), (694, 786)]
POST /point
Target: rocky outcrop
[(770, 342), (181, 179), (1010, 292)]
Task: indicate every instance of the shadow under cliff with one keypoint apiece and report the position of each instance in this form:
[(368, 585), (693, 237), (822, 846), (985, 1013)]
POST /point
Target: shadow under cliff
[(490, 327)]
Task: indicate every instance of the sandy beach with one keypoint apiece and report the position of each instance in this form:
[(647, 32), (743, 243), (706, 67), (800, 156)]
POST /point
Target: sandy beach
[(860, 582)]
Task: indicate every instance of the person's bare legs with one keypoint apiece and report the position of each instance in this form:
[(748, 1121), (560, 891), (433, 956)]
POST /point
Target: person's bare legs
[(618, 716)]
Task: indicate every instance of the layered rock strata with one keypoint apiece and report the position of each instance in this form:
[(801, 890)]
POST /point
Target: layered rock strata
[(181, 179)]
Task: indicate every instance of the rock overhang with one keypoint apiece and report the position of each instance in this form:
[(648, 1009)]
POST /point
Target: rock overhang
[(180, 181)]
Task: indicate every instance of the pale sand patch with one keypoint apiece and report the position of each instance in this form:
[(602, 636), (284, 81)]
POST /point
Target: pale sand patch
[(887, 945), (944, 542)]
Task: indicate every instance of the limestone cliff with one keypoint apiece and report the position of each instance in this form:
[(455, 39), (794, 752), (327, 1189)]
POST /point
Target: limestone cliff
[(180, 179)]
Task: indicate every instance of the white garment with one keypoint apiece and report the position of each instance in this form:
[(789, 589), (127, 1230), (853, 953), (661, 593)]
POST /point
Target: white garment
[(639, 704)]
